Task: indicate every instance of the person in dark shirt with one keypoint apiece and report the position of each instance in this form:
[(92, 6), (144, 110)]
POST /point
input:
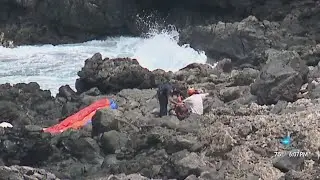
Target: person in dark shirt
[(164, 93)]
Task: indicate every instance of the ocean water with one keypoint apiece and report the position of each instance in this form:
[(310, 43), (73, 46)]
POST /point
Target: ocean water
[(54, 66)]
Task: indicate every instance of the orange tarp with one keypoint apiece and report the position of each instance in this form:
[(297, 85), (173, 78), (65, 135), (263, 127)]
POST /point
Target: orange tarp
[(80, 118), (81, 123)]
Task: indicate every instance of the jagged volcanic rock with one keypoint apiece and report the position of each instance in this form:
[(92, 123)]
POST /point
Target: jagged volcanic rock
[(235, 138)]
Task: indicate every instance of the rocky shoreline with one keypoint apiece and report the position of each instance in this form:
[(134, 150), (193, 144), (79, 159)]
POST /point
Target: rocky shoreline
[(242, 37), (246, 114), (265, 85), (71, 21)]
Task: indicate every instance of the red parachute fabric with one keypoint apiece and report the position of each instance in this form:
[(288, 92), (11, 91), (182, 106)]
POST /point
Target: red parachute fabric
[(80, 118)]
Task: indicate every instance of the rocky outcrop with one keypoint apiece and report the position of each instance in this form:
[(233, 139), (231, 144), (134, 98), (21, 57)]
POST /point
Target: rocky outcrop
[(61, 21), (197, 147), (244, 42), (33, 21), (96, 17), (111, 75), (24, 172), (257, 93), (241, 41), (25, 104), (235, 139), (281, 78)]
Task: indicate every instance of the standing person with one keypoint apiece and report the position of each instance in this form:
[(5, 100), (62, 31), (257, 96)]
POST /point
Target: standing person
[(164, 94)]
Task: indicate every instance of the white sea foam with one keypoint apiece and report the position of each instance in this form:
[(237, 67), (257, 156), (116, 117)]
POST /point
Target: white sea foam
[(53, 66)]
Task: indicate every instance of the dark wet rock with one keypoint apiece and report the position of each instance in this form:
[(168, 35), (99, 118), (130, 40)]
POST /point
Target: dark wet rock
[(12, 113), (311, 55), (231, 93), (124, 177), (281, 78), (105, 120), (242, 42), (221, 141), (110, 160), (43, 22), (161, 76), (84, 148), (111, 75), (87, 100), (148, 151), (24, 147), (33, 128), (131, 100), (211, 175), (237, 144), (314, 93), (170, 122), (190, 124), (25, 172), (314, 72), (79, 15), (144, 162), (244, 77), (67, 93), (75, 154), (24, 104), (180, 143), (246, 99), (191, 177), (297, 175), (211, 103), (69, 108), (72, 20), (245, 129), (194, 73), (234, 140), (223, 66), (279, 107), (312, 88), (184, 164), (112, 141), (93, 92)]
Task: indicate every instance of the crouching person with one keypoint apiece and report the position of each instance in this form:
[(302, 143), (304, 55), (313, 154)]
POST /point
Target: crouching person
[(182, 111), (192, 104), (195, 102)]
